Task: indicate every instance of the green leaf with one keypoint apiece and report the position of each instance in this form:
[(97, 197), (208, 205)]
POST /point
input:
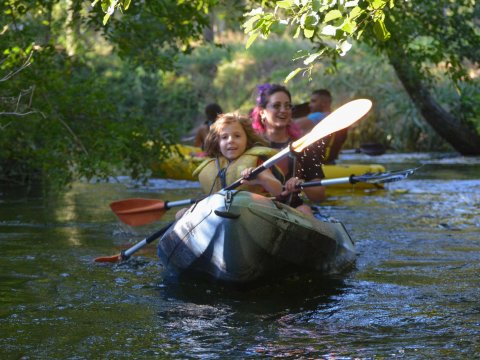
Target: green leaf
[(316, 4), (356, 12), (297, 32), (312, 58), (126, 4), (105, 18), (248, 25), (285, 4), (377, 4), (332, 15), (251, 39), (381, 31), (308, 33), (349, 26), (292, 75)]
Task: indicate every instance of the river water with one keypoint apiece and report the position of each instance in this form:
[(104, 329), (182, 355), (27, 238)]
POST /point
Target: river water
[(414, 293)]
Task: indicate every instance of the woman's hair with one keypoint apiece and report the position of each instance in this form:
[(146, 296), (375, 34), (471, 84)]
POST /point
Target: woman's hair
[(264, 92), (212, 141)]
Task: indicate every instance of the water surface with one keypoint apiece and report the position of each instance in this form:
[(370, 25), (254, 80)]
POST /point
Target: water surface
[(413, 294)]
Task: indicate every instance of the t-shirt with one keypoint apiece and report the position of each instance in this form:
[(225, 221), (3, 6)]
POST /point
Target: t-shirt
[(308, 166), (316, 117)]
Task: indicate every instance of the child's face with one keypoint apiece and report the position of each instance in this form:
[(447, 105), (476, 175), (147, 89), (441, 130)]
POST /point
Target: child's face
[(233, 141)]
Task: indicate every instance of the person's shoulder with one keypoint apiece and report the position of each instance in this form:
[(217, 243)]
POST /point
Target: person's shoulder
[(316, 116)]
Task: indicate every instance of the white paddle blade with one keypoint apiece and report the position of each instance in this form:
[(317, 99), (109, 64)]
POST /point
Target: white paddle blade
[(341, 118)]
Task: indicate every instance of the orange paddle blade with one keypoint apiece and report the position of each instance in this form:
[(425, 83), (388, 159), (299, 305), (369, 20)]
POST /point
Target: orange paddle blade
[(137, 212), (109, 259)]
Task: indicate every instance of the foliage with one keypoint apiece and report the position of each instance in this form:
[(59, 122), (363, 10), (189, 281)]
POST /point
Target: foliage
[(152, 33), (67, 117), (331, 25)]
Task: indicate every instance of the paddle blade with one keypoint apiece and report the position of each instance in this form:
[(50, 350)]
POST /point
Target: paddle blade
[(109, 259), (137, 212), (341, 118)]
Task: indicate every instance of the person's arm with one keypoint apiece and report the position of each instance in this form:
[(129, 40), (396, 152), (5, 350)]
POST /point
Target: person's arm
[(200, 137), (266, 179), (305, 124)]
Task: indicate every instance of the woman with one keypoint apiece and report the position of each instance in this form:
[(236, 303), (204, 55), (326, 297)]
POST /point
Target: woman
[(272, 118)]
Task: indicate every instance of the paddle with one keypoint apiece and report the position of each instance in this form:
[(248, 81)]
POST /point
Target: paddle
[(370, 178), (137, 211), (145, 211), (341, 118)]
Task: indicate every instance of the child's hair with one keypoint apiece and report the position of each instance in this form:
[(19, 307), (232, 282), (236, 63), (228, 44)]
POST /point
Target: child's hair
[(212, 142), (264, 92)]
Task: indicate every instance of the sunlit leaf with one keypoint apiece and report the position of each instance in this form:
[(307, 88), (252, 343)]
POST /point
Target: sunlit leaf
[(308, 33), (312, 58), (248, 25), (251, 39), (285, 4), (297, 32), (381, 31), (332, 15), (356, 12), (105, 18), (292, 75), (349, 26)]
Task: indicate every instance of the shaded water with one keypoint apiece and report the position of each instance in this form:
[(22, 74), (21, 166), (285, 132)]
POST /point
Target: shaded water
[(414, 292)]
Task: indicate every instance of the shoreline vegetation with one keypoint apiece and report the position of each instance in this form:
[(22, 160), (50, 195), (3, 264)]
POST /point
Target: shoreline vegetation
[(91, 114)]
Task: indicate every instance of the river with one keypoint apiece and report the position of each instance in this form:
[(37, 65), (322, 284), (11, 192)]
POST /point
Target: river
[(414, 293)]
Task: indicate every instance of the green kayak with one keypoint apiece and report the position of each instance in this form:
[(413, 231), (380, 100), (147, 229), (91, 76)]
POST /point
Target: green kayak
[(241, 237)]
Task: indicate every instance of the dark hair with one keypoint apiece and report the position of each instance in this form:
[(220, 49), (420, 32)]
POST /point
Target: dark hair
[(322, 92), (212, 111), (264, 92), (212, 142)]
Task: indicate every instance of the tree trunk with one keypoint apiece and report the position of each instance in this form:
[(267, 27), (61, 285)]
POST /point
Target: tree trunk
[(460, 134)]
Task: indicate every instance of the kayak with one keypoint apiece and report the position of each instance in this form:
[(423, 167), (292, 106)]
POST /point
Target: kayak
[(241, 237), (185, 159)]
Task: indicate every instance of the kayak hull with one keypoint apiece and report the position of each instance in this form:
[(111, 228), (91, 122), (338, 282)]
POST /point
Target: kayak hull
[(240, 237), (181, 167)]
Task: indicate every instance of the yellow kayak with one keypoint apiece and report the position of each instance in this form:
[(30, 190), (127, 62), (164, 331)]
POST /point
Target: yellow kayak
[(181, 166)]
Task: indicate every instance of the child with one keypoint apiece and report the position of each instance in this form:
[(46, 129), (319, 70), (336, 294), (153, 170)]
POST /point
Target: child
[(232, 147)]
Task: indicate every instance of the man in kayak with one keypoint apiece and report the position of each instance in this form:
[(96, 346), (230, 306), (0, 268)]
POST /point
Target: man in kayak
[(321, 106)]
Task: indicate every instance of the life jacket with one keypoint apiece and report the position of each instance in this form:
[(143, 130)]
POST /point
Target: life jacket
[(217, 173)]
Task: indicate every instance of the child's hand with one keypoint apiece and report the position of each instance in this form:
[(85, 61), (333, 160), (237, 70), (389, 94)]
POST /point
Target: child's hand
[(291, 185), (245, 174)]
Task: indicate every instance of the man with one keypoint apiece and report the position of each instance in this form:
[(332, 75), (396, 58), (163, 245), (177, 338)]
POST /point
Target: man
[(211, 112), (320, 106)]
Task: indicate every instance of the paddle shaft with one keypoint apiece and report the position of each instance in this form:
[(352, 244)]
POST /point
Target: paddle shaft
[(125, 254), (371, 178), (266, 165), (171, 204)]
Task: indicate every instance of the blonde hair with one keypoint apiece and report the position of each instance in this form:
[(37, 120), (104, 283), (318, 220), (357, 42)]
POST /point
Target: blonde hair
[(212, 141)]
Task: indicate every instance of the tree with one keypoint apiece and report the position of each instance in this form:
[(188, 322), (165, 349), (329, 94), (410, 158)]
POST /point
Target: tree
[(419, 37)]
